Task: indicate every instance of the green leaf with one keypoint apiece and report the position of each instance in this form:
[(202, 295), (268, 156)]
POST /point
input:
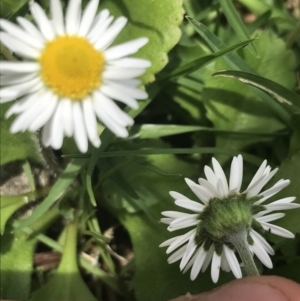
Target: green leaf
[(16, 266), (201, 62), (236, 62), (18, 146), (233, 106), (62, 183), (236, 23), (280, 93), (8, 205), (162, 30), (67, 283), (10, 8)]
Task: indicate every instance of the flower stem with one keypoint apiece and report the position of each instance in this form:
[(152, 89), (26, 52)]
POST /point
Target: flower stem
[(239, 240)]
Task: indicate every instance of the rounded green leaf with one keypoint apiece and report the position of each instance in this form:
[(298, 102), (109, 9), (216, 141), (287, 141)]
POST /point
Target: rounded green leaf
[(157, 19)]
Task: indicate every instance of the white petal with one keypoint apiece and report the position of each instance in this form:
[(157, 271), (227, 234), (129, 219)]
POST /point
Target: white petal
[(215, 267), (80, 134), (42, 21), (168, 241), (11, 92), (67, 116), (88, 17), (20, 34), (177, 255), (125, 49), (232, 261), (22, 105), (13, 79), (257, 187), (99, 25), (208, 257), (7, 95), (183, 222), (200, 257), (90, 122), (282, 206), (220, 174), (57, 129), (261, 253), (115, 113), (176, 195), (116, 128), (191, 205), (122, 73), (235, 176), (46, 136), (258, 174), (127, 90), (220, 188), (277, 230), (180, 241), (130, 63), (191, 247), (47, 111), (111, 34), (116, 94), (174, 214), (257, 237), (270, 217), (18, 46), (274, 189), (31, 29), (208, 186), (203, 194), (18, 67), (73, 14), (210, 176), (166, 220), (57, 16), (224, 262)]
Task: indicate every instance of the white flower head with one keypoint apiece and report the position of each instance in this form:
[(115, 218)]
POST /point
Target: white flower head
[(70, 74), (223, 211)]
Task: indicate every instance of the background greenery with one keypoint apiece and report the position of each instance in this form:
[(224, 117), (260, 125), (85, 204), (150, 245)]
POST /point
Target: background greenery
[(91, 231)]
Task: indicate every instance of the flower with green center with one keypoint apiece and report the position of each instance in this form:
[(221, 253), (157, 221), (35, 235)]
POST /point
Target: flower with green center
[(226, 220), (70, 74)]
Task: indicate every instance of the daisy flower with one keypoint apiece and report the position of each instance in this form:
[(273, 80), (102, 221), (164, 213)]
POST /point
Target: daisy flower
[(70, 74), (226, 220)]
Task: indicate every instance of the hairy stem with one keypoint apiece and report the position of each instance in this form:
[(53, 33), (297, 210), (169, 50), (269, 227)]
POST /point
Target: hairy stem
[(239, 240)]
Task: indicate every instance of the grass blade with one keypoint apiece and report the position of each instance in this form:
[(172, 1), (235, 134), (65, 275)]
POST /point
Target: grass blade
[(236, 23), (280, 93)]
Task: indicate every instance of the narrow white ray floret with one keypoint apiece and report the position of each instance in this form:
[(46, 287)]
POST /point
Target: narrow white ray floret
[(70, 74), (208, 242)]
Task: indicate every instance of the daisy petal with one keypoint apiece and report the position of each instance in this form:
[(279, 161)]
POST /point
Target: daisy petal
[(80, 134), (125, 49), (88, 17), (200, 257), (73, 13), (191, 205), (215, 267), (277, 230), (232, 261), (57, 17)]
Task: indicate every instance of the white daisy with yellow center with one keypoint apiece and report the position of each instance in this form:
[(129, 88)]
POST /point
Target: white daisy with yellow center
[(70, 74)]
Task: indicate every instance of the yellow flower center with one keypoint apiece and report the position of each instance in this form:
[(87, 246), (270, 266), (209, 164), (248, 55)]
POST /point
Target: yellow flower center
[(71, 67)]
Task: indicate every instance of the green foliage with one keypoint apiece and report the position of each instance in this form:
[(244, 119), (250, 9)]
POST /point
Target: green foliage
[(189, 117), (161, 29), (27, 146)]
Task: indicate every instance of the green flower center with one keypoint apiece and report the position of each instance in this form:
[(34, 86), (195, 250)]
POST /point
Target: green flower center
[(225, 217)]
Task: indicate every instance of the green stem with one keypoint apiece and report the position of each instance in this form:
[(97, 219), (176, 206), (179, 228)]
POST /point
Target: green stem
[(239, 240)]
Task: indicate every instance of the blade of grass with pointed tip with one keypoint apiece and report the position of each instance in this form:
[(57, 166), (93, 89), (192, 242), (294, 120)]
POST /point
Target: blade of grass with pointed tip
[(236, 62), (236, 23), (203, 61), (280, 93), (62, 183)]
